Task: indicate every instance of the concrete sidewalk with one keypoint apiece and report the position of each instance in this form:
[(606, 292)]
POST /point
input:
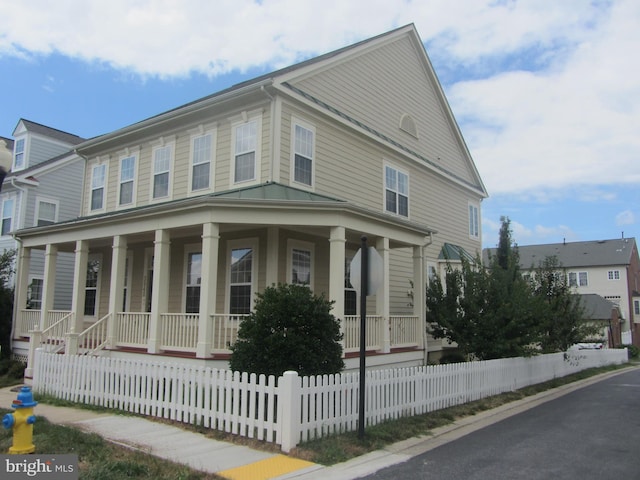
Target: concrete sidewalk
[(237, 462), (172, 443)]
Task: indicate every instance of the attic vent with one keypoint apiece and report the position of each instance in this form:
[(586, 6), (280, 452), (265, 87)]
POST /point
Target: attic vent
[(408, 125)]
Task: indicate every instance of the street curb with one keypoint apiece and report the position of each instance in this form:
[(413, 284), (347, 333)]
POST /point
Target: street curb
[(404, 450)]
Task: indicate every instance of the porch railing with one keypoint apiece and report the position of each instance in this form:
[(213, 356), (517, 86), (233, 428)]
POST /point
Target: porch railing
[(179, 331), (52, 338), (405, 331), (225, 331), (28, 320), (91, 339), (374, 333), (132, 329)]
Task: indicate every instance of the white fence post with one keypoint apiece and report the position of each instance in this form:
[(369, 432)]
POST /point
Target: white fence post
[(289, 409)]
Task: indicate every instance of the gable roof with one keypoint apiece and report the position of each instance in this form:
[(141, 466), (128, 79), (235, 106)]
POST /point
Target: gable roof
[(595, 253), (283, 80), (49, 132)]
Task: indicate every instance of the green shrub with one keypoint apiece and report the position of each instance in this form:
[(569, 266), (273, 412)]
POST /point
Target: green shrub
[(289, 329), (632, 350), (452, 358), (12, 368)]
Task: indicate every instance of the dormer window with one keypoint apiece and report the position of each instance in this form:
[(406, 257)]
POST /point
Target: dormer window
[(18, 155)]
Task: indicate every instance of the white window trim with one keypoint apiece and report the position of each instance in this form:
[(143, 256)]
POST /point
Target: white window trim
[(476, 208), (136, 158), (188, 249), (27, 143), (384, 190), (234, 126), (349, 254), (31, 279), (300, 245), (104, 188), (172, 149), (129, 277), (295, 121), (14, 199), (611, 275), (577, 274), (95, 257), (213, 133), (235, 244), (40, 200)]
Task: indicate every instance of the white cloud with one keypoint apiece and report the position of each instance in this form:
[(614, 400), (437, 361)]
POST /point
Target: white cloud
[(551, 97), (625, 218), (571, 123)]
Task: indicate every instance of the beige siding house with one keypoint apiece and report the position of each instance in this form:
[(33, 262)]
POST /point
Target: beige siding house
[(186, 215)]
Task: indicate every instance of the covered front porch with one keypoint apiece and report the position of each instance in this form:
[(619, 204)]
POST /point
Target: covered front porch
[(179, 280)]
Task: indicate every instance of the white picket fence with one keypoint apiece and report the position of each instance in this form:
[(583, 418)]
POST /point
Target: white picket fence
[(292, 409)]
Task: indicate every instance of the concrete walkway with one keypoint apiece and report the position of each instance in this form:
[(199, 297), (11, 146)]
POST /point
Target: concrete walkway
[(237, 462)]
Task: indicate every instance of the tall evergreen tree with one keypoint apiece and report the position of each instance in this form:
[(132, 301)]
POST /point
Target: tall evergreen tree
[(6, 302), (488, 311)]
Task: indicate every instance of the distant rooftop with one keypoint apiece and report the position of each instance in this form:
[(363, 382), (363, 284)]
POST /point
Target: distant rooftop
[(577, 254)]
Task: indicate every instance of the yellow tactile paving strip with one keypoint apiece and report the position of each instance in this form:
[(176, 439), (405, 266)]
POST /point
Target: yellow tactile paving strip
[(265, 469)]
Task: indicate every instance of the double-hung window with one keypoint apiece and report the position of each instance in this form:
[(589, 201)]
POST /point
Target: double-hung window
[(303, 154), (127, 180), (396, 191), (161, 171), (474, 222), (7, 215), (350, 294), (300, 263), (194, 280), (245, 152), (578, 279), (18, 154), (98, 176), (201, 149), (34, 294), (242, 260), (46, 212), (91, 287)]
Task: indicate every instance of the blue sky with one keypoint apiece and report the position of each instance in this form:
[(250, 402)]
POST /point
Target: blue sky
[(546, 93)]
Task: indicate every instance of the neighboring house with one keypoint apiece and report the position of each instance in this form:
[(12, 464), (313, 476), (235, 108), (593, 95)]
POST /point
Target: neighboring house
[(603, 313), (43, 186), (609, 268), (188, 214)]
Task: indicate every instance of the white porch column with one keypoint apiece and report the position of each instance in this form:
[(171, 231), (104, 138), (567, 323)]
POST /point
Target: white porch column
[(382, 297), (419, 291), (337, 244), (49, 283), (79, 285), (273, 243), (160, 294), (116, 289), (208, 288)]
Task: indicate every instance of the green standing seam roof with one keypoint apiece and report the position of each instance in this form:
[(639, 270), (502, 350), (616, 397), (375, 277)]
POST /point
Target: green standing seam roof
[(455, 253)]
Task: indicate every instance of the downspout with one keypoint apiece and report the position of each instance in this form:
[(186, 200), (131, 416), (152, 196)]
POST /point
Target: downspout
[(16, 280), (428, 242)]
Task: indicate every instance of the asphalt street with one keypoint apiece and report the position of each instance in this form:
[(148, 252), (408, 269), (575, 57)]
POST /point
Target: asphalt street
[(591, 433)]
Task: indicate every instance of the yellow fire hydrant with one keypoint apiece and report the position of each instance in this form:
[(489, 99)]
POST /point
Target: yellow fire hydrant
[(22, 421)]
